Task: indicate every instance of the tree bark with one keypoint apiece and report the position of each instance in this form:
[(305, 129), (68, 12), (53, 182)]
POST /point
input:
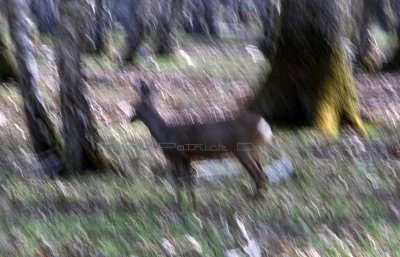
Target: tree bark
[(209, 16), (311, 80), (202, 18), (133, 15), (8, 68), (394, 63), (82, 151), (197, 24), (169, 16), (102, 19), (43, 134), (269, 15), (134, 37), (364, 12), (44, 12)]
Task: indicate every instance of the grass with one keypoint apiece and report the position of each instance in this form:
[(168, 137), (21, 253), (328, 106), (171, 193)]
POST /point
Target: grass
[(332, 211), (343, 202)]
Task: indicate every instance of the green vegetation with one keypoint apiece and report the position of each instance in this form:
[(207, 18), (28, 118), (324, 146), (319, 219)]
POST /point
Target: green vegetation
[(343, 202)]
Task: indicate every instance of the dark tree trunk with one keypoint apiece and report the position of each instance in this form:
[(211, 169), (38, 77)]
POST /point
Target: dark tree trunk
[(134, 37), (394, 63), (102, 22), (8, 68), (269, 15), (129, 14), (164, 35), (169, 16), (43, 134), (311, 81), (202, 17), (82, 151), (231, 10), (363, 13), (197, 15), (209, 16), (382, 15), (245, 10), (44, 12)]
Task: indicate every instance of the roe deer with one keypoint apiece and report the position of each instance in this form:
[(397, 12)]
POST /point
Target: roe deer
[(183, 143)]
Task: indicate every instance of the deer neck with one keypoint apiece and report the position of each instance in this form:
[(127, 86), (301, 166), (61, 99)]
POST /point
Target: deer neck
[(157, 126)]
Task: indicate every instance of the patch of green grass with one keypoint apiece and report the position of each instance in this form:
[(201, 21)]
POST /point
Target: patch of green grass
[(372, 129), (98, 62), (338, 205)]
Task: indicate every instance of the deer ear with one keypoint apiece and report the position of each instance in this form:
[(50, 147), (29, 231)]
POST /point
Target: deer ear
[(144, 89)]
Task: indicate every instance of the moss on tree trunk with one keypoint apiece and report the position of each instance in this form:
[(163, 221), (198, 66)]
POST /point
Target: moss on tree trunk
[(43, 134), (311, 81), (169, 17), (82, 151)]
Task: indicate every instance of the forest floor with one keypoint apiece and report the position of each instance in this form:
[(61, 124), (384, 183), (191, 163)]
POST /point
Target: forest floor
[(344, 201)]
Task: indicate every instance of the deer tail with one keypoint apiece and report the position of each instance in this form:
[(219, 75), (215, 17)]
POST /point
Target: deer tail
[(264, 129)]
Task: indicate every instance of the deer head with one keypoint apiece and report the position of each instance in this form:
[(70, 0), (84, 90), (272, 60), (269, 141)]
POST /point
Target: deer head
[(141, 107)]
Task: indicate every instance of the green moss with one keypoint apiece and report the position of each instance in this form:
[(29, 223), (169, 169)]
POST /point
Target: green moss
[(310, 87), (336, 100)]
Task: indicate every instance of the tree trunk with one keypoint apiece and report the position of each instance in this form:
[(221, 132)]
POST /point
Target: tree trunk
[(269, 15), (134, 37), (202, 18), (394, 63), (132, 14), (8, 68), (209, 16), (102, 22), (197, 18), (364, 12), (44, 12), (43, 134), (169, 16), (311, 81), (82, 151)]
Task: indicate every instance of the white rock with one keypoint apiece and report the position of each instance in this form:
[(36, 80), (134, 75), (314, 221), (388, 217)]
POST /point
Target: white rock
[(279, 170), (211, 169)]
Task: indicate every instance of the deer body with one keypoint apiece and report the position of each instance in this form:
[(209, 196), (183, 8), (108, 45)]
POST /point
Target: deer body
[(214, 139), (182, 144)]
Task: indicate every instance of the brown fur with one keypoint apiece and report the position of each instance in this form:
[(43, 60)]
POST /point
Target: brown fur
[(182, 144)]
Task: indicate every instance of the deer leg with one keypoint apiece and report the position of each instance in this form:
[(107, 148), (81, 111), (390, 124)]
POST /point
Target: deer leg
[(260, 168), (184, 170), (249, 162), (191, 187), (183, 178), (178, 178)]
